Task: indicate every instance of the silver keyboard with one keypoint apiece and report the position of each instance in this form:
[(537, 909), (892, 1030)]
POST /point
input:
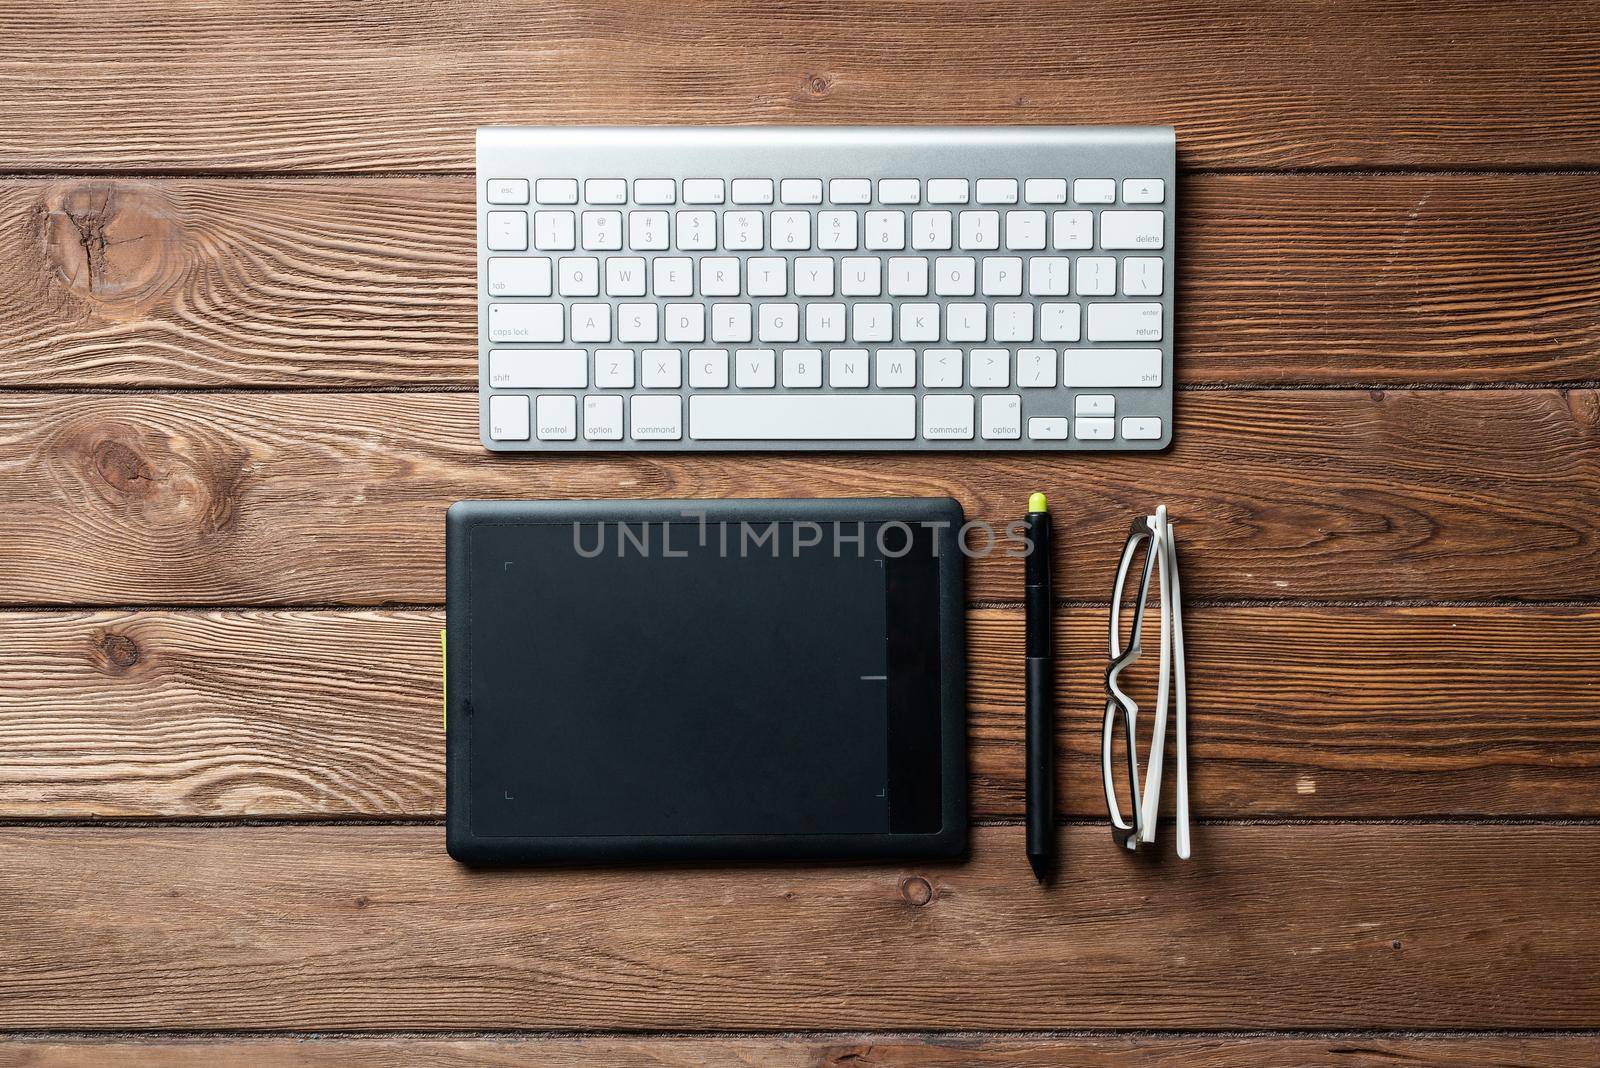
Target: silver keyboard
[(802, 288)]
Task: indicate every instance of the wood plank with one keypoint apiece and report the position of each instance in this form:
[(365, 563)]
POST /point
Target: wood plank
[(344, 85), (1287, 280), (823, 1051), (339, 499), (351, 928), (1321, 713)]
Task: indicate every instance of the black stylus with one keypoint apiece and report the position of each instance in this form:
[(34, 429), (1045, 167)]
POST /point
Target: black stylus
[(1041, 788)]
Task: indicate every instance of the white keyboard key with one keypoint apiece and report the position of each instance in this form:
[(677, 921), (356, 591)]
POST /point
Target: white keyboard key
[(1036, 368), (1097, 276), (1048, 428), (697, 230), (1094, 191), (655, 191), (947, 190), (908, 276), (1059, 321), (658, 418), (1141, 276), (1025, 230), (673, 276), (941, 368), (778, 322), (720, 276), (802, 368), (947, 417), (897, 369), (1124, 322), (1073, 230), (625, 276), (1142, 428), (730, 322), (519, 276), (813, 276), (556, 418), (703, 190), (742, 231), (686, 322), (966, 322), (1047, 276), (1096, 429), (800, 191), (1094, 404), (1013, 322), (1143, 191), (555, 231), (538, 368), (1002, 417), (556, 191), (955, 276), (930, 229), (802, 417), (1045, 191), (648, 231), (506, 231), (708, 368), (508, 418), (767, 276), (860, 276), (836, 231), (847, 368), (825, 322), (997, 190), (602, 418), (989, 368), (507, 191), (791, 230), (752, 190), (872, 322), (1110, 368), (1002, 276), (886, 230), (638, 322), (899, 191), (755, 369), (850, 191), (980, 229), (579, 276), (1131, 230), (613, 368), (661, 369), (919, 322), (605, 191), (527, 322), (591, 322)]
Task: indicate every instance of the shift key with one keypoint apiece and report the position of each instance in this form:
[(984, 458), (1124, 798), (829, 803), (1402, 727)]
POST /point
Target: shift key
[(1101, 368), (1124, 322)]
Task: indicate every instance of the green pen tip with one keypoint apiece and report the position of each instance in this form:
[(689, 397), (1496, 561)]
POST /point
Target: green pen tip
[(1037, 503)]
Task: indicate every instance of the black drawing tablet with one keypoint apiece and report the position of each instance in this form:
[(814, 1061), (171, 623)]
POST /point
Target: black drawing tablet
[(633, 680)]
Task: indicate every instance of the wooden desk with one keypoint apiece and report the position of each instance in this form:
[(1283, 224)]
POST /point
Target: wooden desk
[(238, 390)]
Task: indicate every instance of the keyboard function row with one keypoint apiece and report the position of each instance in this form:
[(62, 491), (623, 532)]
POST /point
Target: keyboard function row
[(810, 191)]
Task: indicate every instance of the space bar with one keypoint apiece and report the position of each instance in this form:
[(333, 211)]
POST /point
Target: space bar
[(786, 417)]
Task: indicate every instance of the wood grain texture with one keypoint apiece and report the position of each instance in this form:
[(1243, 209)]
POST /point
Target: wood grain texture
[(1321, 713), (340, 499), (1287, 280), (823, 1051), (350, 86), (359, 928)]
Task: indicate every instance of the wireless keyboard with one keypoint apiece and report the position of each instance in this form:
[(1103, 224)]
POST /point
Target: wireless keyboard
[(803, 288)]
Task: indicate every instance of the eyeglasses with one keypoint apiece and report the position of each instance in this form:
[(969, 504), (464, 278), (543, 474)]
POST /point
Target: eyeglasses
[(1153, 536)]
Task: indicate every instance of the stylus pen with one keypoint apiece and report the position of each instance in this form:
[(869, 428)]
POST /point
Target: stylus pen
[(1037, 594)]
